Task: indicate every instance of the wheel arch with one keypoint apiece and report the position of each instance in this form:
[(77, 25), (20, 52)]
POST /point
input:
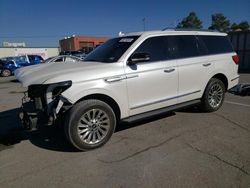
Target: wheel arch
[(219, 76), (223, 78), (107, 99)]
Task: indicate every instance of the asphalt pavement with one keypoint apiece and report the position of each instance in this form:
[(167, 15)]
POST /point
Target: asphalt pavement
[(185, 148)]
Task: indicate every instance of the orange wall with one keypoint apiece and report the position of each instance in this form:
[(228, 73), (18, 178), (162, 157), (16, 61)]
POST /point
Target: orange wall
[(72, 44)]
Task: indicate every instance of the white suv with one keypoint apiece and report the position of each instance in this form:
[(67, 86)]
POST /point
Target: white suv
[(127, 78)]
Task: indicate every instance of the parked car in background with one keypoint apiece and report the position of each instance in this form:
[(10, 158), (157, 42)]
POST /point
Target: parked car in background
[(34, 59), (10, 64), (62, 58), (81, 54), (5, 67), (130, 77)]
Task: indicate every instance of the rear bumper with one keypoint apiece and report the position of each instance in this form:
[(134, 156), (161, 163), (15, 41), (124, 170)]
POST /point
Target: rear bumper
[(233, 82)]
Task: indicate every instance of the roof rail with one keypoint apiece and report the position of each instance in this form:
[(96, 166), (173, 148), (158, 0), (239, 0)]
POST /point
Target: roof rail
[(169, 28), (188, 29)]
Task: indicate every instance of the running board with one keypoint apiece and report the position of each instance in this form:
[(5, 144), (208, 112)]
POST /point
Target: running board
[(161, 111)]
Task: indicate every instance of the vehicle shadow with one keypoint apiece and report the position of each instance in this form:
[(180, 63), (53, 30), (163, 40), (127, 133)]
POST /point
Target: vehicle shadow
[(15, 81), (50, 138), (11, 133), (9, 129)]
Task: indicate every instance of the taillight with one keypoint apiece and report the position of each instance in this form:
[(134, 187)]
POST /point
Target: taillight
[(236, 59)]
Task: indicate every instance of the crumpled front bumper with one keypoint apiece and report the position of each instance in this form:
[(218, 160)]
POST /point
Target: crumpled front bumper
[(31, 118), (33, 114)]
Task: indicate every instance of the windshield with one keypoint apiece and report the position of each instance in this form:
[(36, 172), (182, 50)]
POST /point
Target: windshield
[(112, 50)]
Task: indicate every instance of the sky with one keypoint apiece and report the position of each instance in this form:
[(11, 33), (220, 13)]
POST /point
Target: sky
[(42, 23)]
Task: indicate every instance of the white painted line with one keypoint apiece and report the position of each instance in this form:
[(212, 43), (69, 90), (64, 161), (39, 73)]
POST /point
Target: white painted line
[(236, 103)]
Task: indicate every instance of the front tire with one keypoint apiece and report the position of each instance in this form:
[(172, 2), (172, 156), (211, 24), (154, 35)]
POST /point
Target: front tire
[(90, 124), (5, 73), (213, 96)]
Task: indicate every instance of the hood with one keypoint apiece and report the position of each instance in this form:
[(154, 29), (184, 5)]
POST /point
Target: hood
[(48, 73)]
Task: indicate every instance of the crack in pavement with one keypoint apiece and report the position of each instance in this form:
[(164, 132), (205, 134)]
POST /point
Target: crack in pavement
[(141, 151), (220, 159), (231, 121)]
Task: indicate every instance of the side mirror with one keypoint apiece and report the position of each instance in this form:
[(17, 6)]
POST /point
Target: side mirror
[(138, 57)]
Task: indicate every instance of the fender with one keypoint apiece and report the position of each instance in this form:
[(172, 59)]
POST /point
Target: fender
[(121, 100)]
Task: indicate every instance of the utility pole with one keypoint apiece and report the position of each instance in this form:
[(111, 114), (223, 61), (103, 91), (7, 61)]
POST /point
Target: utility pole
[(144, 24)]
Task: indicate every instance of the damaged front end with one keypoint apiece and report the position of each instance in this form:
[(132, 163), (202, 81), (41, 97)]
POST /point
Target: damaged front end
[(42, 104)]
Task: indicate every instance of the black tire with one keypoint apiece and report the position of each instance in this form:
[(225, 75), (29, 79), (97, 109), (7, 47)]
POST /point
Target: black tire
[(78, 115), (5, 73), (207, 104)]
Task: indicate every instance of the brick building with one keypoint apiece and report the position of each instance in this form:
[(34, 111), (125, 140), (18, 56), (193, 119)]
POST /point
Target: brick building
[(76, 43)]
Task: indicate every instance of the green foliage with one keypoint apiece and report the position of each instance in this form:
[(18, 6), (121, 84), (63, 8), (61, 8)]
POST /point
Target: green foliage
[(191, 21), (242, 25), (220, 23)]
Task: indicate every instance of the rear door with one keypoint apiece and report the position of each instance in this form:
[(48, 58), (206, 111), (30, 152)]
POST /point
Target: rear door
[(195, 68)]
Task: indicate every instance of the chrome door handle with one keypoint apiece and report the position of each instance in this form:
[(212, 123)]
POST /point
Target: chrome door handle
[(115, 79), (132, 76), (206, 64), (169, 70)]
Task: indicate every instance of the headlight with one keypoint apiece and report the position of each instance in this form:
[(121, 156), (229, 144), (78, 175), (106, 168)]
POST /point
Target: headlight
[(58, 88), (55, 89)]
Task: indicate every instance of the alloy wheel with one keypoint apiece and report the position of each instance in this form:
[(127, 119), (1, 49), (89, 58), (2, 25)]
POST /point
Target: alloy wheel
[(93, 126), (215, 95)]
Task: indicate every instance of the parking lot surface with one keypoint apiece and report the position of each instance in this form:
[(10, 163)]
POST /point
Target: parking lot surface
[(186, 148)]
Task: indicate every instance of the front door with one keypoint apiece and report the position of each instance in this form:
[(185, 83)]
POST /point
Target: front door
[(152, 84)]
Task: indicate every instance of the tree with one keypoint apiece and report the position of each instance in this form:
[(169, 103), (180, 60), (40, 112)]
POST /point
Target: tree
[(242, 26), (191, 21), (234, 26), (220, 23)]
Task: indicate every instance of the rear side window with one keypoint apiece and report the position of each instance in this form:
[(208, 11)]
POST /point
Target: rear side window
[(31, 58), (216, 44), (156, 47), (187, 46), (39, 58)]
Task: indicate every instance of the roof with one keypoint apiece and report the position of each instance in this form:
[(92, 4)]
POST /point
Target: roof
[(176, 31)]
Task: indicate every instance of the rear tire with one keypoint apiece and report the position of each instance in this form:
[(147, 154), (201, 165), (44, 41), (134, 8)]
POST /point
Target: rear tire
[(213, 96), (89, 124), (5, 73)]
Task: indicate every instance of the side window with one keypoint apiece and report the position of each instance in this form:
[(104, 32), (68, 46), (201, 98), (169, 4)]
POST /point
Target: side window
[(155, 47), (40, 58), (172, 47), (59, 59), (217, 44), (202, 48), (187, 46), (11, 62), (31, 58), (70, 59)]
